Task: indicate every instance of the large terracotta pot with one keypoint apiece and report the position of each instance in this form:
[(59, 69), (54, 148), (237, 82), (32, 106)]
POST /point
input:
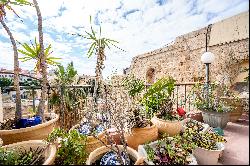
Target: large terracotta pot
[(166, 126), (49, 153), (140, 136), (99, 152), (38, 132), (208, 157), (237, 111), (92, 142)]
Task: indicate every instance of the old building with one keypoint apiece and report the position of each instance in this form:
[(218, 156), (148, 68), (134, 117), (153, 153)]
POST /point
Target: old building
[(227, 39)]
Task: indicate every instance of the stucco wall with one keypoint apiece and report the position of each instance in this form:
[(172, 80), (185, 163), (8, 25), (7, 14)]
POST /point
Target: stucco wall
[(182, 59)]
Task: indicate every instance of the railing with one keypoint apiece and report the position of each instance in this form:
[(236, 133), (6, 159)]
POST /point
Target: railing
[(70, 117)]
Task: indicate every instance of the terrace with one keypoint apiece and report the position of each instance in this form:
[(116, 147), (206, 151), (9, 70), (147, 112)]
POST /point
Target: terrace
[(186, 103)]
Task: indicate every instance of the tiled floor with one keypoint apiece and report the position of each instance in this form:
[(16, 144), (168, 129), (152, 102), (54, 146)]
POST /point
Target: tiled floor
[(237, 147)]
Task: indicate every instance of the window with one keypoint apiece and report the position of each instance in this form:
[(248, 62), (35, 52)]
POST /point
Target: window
[(150, 76)]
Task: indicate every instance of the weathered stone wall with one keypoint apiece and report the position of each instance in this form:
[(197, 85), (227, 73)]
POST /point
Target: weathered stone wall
[(181, 60)]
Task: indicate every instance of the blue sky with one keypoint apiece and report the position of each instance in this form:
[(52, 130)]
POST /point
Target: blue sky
[(139, 25)]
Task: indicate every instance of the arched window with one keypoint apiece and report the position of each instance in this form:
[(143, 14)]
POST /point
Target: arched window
[(150, 76)]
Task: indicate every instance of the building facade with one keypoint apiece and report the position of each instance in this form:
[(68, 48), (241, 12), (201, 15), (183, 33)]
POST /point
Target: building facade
[(227, 39)]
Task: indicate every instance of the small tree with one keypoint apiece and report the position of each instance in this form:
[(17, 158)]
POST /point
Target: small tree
[(3, 5)]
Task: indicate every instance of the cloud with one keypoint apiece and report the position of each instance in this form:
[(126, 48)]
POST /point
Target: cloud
[(139, 26)]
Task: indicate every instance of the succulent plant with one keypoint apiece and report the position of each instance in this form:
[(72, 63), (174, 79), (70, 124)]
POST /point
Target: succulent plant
[(195, 125)]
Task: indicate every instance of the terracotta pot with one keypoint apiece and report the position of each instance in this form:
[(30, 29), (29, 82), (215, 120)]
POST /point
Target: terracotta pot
[(169, 127), (140, 136), (92, 142), (115, 136), (195, 116), (208, 157), (99, 152), (40, 131), (49, 153)]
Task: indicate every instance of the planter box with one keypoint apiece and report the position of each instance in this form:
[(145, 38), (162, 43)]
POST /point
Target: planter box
[(208, 157), (139, 136), (166, 126), (142, 153), (49, 153), (38, 132), (98, 153), (216, 119)]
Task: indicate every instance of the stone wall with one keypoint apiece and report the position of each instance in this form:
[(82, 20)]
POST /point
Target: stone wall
[(181, 59)]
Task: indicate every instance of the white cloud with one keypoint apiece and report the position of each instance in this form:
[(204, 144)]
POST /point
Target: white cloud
[(139, 26)]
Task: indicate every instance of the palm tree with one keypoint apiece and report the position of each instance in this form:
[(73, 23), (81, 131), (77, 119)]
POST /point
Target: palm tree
[(31, 52), (43, 62), (8, 4), (98, 45)]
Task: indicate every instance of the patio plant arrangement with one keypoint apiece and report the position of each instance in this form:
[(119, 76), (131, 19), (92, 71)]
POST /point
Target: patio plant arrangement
[(27, 127), (158, 103), (215, 111)]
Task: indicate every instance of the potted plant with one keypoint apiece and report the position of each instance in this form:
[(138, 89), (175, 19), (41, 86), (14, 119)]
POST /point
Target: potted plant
[(158, 103), (141, 129), (71, 147), (29, 126), (208, 145), (91, 131), (33, 152), (167, 152), (215, 111)]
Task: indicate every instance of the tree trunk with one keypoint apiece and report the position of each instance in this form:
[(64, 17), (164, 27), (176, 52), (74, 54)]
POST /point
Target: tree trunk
[(18, 113), (41, 107)]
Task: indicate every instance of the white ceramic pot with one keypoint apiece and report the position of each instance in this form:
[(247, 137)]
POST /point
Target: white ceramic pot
[(208, 157)]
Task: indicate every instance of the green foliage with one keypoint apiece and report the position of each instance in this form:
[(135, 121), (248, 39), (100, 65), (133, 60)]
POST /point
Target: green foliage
[(210, 100), (30, 157), (65, 76), (5, 82), (32, 51), (207, 140), (72, 147), (71, 97), (7, 157), (157, 93), (133, 85)]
